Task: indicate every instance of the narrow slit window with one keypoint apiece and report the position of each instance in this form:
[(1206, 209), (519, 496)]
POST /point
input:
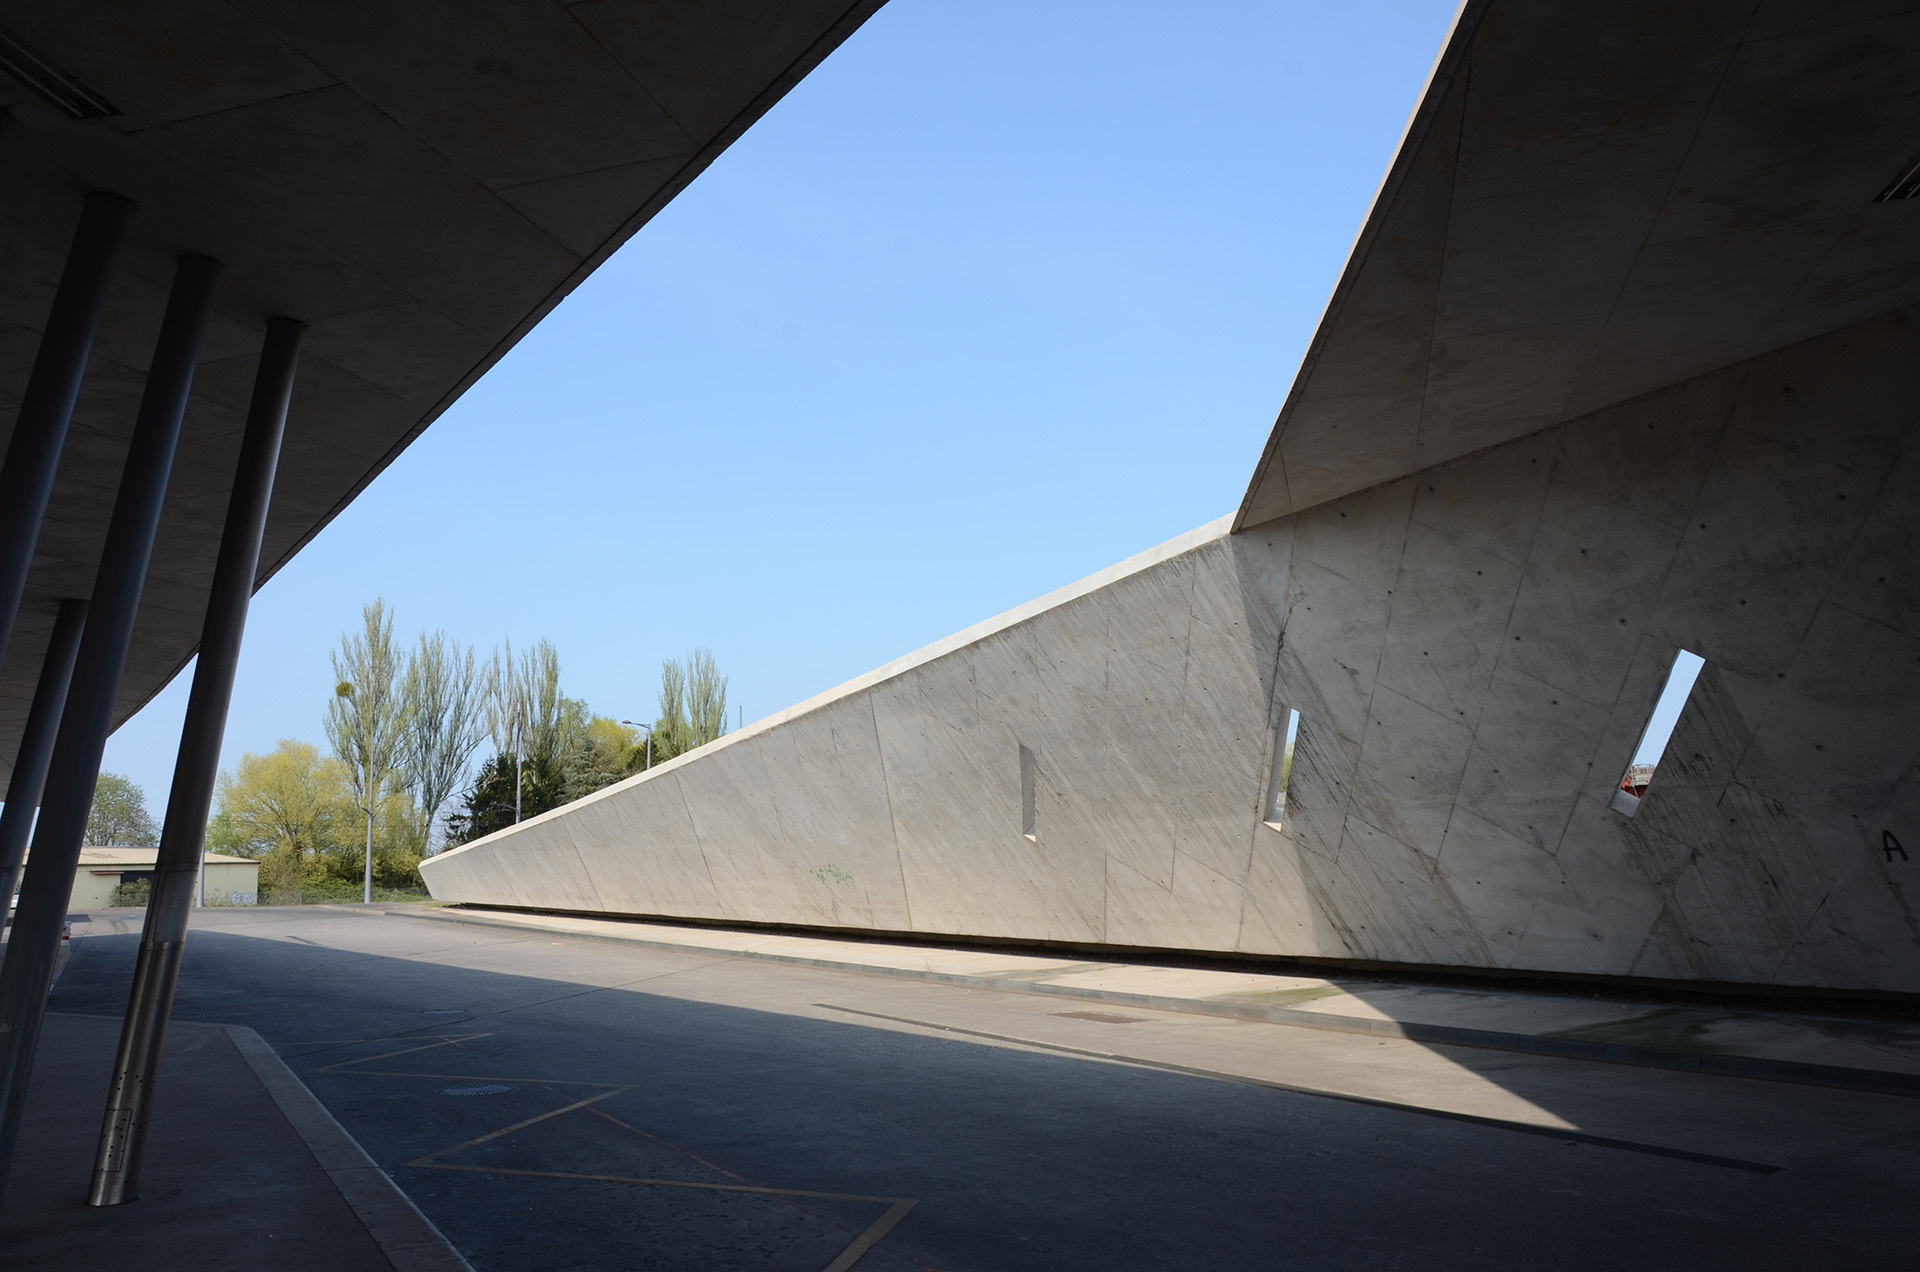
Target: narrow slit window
[(1659, 731), (1028, 826), (1283, 740)]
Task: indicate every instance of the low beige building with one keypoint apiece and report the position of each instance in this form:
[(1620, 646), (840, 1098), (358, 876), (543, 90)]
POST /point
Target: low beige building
[(229, 880)]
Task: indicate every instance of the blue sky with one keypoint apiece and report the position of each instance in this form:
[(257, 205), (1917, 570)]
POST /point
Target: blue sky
[(1001, 294)]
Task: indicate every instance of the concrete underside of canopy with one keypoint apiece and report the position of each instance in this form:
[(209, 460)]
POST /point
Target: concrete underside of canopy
[(1474, 652), (419, 180), (1592, 201)]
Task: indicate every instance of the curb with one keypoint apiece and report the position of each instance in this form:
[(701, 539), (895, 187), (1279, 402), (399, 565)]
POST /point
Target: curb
[(406, 1236), (1795, 1072)]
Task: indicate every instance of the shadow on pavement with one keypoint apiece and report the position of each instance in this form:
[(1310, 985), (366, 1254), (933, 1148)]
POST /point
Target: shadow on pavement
[(579, 1120)]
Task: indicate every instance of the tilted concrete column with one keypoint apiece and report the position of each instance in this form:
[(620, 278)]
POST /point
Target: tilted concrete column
[(176, 872), (28, 970), (40, 432), (36, 743)]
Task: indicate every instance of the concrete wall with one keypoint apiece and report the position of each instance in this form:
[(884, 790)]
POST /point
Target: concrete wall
[(1474, 652)]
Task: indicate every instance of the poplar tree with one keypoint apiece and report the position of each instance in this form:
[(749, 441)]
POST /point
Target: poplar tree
[(706, 698), (443, 702), (693, 705), (364, 720), (553, 723)]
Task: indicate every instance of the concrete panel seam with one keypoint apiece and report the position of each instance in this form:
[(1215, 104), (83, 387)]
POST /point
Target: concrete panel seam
[(586, 875), (893, 822), (693, 830), (1272, 743), (408, 1239), (1826, 600)]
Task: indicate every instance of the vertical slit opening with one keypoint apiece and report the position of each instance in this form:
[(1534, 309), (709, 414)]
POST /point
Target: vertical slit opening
[(1028, 826), (1659, 731), (1284, 734)]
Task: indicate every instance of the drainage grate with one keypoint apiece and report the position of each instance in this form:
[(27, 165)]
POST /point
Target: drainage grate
[(493, 1088), (1104, 1018)]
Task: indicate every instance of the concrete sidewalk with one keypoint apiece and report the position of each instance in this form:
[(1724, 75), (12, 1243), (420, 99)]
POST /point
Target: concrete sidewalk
[(244, 1169), (1854, 1053)]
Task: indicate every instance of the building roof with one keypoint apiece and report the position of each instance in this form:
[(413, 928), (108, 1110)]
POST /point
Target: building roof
[(1594, 201), (420, 181), (137, 858)]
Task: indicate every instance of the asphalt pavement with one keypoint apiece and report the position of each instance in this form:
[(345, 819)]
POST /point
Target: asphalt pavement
[(556, 1103)]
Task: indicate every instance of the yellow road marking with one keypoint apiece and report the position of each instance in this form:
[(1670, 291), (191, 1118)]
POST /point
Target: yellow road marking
[(871, 1237), (425, 1164), (517, 1126), (446, 1040)]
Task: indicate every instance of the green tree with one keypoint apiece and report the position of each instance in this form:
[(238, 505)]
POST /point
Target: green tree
[(295, 810), (119, 815), (553, 725), (693, 705), (672, 731), (548, 747), (442, 704), (706, 698), (397, 849), (605, 752), (537, 731), (291, 799), (489, 803), (506, 717), (364, 719)]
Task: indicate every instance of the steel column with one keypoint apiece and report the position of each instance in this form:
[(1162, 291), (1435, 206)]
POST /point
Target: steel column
[(36, 743), (28, 970), (123, 1133), (40, 431)]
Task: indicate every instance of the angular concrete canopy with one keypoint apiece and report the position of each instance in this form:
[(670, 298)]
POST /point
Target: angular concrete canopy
[(419, 180), (1593, 201), (1626, 362)]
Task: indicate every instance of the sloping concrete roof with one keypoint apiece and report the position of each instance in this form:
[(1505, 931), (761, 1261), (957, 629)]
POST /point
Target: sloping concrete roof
[(1593, 201), (419, 180)]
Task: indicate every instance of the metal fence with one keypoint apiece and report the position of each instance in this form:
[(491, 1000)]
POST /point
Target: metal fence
[(335, 896), (134, 896)]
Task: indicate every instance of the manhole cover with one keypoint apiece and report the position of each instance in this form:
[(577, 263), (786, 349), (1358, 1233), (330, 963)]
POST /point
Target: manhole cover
[(490, 1089)]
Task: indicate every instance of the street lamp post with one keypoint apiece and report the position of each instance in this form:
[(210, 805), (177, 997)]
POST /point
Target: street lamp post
[(345, 690), (649, 728)]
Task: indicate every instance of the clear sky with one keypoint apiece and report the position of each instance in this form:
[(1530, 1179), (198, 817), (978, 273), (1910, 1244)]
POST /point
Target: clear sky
[(1001, 294), (1666, 711)]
